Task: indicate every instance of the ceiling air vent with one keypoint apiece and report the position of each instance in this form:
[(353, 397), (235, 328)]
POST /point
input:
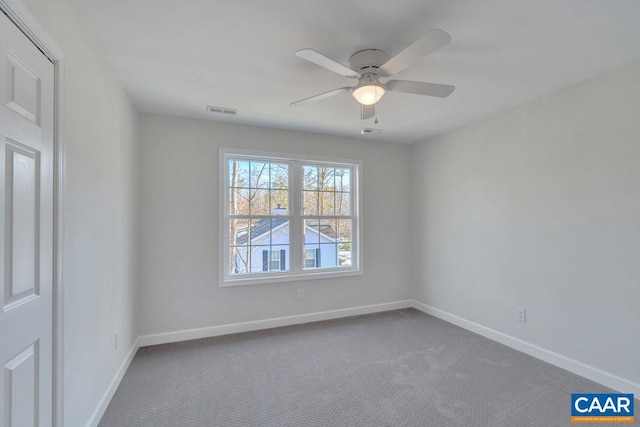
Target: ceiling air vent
[(369, 131), (221, 110)]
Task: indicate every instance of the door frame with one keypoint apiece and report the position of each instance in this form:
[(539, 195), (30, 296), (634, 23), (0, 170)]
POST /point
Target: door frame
[(26, 22)]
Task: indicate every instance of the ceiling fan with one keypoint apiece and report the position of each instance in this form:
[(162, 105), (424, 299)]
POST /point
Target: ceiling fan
[(369, 65)]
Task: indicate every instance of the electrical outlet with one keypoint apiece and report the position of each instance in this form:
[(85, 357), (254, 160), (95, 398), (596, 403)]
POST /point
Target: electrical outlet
[(521, 314), (300, 293), (115, 341)]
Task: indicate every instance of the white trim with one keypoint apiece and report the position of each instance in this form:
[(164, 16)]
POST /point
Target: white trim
[(274, 156), (275, 322), (95, 418), (21, 16), (257, 279), (59, 198), (590, 372), (26, 22)]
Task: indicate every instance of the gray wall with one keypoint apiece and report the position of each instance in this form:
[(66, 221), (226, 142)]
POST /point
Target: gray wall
[(178, 230), (100, 136), (539, 207)]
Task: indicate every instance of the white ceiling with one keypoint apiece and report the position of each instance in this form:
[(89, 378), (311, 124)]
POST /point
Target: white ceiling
[(177, 57)]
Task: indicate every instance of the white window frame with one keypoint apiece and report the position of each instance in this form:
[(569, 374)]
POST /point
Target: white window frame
[(296, 270)]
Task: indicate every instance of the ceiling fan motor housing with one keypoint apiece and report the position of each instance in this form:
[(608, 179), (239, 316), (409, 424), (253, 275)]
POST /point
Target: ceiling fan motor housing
[(368, 61)]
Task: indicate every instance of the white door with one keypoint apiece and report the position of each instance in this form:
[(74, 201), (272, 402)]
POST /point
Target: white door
[(26, 227)]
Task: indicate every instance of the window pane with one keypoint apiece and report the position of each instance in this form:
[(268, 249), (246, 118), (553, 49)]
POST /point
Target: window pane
[(343, 179), (260, 258), (269, 258), (269, 231), (320, 230), (279, 258), (279, 202), (238, 201), (333, 196), (327, 203), (310, 202), (239, 260), (238, 232), (343, 204), (326, 178), (279, 231), (329, 255), (259, 203), (310, 177), (269, 235), (238, 173), (257, 188), (320, 236), (279, 176), (311, 227), (345, 227), (259, 175)]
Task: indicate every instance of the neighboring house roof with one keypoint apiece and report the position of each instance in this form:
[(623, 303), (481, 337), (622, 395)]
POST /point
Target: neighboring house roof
[(263, 226), (325, 229)]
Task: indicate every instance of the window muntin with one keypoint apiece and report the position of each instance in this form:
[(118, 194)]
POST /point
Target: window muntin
[(288, 218)]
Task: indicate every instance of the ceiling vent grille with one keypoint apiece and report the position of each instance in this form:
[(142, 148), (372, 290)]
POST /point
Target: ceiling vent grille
[(369, 131), (221, 110)]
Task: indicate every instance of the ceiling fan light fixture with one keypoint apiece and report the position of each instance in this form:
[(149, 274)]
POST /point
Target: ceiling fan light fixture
[(368, 94)]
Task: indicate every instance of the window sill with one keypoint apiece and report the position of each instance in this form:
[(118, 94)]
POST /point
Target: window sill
[(271, 279)]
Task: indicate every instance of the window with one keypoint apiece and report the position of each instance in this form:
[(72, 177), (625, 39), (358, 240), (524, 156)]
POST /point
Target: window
[(276, 260), (310, 257), (287, 218)]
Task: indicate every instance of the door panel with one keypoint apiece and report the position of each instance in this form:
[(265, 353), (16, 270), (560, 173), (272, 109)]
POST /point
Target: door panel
[(21, 223), (26, 228), (21, 388), (23, 89)]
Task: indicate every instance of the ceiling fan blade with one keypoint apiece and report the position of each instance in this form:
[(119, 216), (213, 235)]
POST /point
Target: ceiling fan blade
[(322, 96), (367, 111), (328, 63), (420, 88), (430, 42)]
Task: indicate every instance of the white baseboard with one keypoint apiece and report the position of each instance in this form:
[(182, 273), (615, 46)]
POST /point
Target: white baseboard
[(113, 386), (275, 322), (594, 374)]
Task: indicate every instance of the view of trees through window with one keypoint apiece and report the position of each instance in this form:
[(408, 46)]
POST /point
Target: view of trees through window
[(258, 191), (326, 207), (260, 216)]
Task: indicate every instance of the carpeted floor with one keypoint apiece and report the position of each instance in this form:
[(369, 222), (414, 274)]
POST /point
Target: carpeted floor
[(398, 368)]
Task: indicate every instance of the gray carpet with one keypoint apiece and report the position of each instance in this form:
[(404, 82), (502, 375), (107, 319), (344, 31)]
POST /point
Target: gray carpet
[(398, 368)]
